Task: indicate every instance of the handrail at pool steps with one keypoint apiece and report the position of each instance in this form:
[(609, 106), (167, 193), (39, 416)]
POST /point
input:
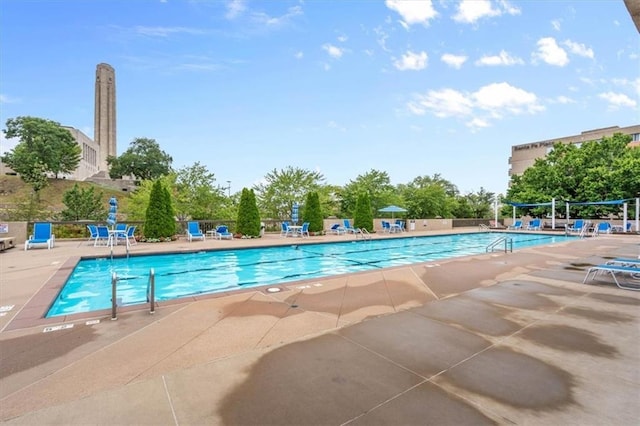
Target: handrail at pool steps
[(508, 244), (151, 291), (363, 233), (114, 299)]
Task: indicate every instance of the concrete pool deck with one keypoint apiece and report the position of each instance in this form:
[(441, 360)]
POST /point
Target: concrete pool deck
[(500, 338)]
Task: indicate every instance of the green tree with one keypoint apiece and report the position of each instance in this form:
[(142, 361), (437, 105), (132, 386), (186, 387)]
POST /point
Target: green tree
[(375, 183), (83, 204), (283, 188), (45, 147), (312, 212), (601, 170), (195, 193), (248, 221), (363, 217), (143, 159), (158, 223), (480, 204), (429, 197)]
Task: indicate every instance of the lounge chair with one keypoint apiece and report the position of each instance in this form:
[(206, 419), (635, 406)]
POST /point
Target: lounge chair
[(222, 231), (336, 229), (632, 272), (194, 232), (347, 226), (576, 227), (42, 234), (534, 225), (621, 228), (516, 225), (602, 228)]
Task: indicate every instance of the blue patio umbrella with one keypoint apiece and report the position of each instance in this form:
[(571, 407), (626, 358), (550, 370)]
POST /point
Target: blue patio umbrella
[(113, 208), (294, 213), (392, 210)]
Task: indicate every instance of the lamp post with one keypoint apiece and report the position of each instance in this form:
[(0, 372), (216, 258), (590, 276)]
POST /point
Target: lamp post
[(228, 188)]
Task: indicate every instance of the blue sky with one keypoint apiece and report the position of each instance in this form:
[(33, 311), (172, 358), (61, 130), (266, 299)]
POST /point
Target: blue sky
[(412, 87)]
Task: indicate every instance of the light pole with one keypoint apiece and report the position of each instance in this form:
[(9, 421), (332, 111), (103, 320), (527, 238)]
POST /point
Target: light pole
[(229, 188)]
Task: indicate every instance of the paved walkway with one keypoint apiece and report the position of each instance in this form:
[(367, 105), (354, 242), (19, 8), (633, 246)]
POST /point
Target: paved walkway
[(487, 339)]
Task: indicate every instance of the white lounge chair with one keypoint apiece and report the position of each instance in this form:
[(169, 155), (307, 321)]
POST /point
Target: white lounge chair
[(632, 272)]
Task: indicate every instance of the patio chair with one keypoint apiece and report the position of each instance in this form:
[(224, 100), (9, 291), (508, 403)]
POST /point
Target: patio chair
[(577, 226), (194, 232), (93, 233), (400, 224), (284, 230), (304, 230), (42, 234), (516, 225), (386, 227), (104, 236), (128, 236), (222, 231), (121, 227)]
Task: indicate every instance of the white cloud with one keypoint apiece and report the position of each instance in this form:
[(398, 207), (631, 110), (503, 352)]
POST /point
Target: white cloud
[(499, 97), (501, 59), (413, 11), (617, 100), (454, 61), (490, 102), (4, 99), (299, 55), (471, 11), (549, 52), (343, 38), (579, 49), (166, 31), (412, 61), (333, 51), (276, 21), (563, 100), (235, 8), (442, 103)]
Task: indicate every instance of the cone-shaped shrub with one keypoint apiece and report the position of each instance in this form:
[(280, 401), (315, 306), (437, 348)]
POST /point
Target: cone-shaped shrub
[(159, 221), (312, 212), (363, 216), (248, 221)]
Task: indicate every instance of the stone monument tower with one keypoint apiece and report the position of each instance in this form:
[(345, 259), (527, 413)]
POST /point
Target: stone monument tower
[(104, 131)]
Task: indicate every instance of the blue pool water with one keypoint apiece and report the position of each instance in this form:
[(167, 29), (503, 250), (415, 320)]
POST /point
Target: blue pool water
[(188, 274)]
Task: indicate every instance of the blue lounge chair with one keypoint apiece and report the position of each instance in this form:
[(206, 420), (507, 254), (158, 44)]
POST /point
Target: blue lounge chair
[(516, 225), (632, 272), (621, 228), (222, 231), (194, 232), (602, 228), (337, 229), (42, 234), (577, 226), (347, 226), (534, 225)]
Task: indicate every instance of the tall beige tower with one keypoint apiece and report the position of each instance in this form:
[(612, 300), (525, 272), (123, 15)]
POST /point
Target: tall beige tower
[(104, 131)]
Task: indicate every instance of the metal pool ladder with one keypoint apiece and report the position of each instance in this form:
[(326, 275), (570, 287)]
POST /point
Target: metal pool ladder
[(507, 241), (363, 233)]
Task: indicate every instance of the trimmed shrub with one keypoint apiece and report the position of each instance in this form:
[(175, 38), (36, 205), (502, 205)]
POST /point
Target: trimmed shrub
[(159, 220), (363, 216), (312, 212), (248, 221)]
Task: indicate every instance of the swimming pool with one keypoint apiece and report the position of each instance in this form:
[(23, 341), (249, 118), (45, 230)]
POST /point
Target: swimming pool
[(188, 274)]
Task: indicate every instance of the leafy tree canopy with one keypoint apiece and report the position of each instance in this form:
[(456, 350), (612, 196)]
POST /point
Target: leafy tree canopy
[(602, 170), (283, 188), (83, 204), (45, 147), (143, 159), (375, 183)]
